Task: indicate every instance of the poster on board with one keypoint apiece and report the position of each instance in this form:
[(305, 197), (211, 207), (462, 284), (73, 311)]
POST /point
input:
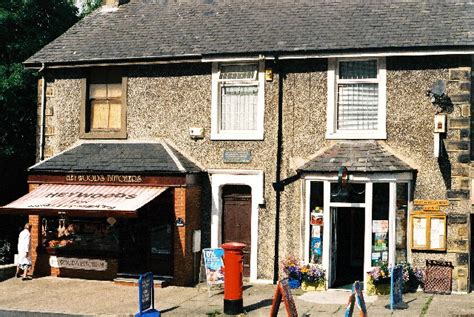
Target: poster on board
[(419, 232), (214, 265)]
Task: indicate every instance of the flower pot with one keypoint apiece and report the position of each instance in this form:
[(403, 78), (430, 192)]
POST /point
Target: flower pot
[(294, 283), (313, 286), (379, 287)]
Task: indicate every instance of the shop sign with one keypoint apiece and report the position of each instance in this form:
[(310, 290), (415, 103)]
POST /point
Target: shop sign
[(78, 263), (98, 178), (237, 156), (420, 202), (87, 197)]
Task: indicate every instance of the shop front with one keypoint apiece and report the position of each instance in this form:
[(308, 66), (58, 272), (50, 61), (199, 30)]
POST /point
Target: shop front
[(107, 226), (353, 220)]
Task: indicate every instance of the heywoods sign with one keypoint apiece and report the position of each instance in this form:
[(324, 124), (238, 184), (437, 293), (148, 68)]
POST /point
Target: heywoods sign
[(87, 197)]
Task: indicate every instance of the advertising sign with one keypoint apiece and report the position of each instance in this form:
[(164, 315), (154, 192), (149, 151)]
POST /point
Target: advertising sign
[(214, 266), (146, 296), (396, 287)]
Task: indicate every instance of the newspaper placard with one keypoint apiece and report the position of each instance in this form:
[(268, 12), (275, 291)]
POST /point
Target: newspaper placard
[(214, 266)]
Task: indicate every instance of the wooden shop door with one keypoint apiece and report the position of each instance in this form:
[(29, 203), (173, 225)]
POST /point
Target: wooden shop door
[(236, 218)]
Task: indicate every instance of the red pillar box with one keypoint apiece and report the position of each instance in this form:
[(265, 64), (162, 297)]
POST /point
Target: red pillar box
[(233, 271)]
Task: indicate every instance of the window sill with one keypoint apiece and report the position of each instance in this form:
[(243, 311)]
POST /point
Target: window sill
[(357, 135), (252, 136)]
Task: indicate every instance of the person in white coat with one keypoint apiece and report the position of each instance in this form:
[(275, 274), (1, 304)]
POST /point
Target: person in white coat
[(24, 253)]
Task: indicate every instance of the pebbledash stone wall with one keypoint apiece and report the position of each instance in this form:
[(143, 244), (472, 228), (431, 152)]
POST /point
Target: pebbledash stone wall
[(164, 101)]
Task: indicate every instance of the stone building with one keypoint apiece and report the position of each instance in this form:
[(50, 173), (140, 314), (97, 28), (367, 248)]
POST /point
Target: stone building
[(299, 129)]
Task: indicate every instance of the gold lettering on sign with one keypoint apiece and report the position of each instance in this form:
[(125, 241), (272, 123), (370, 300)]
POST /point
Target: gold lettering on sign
[(431, 208), (431, 202), (90, 178)]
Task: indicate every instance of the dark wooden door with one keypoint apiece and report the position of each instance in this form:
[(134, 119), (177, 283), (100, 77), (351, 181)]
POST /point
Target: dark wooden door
[(236, 215)]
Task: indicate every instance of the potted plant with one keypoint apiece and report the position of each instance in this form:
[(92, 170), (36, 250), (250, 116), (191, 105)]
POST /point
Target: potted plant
[(379, 279), (313, 278), (378, 282), (412, 278), (292, 269)]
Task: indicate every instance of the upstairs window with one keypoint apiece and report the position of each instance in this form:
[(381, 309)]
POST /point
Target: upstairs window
[(356, 99), (237, 105), (103, 114)]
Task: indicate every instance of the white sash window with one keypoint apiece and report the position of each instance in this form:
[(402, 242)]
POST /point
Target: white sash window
[(356, 99), (237, 105)]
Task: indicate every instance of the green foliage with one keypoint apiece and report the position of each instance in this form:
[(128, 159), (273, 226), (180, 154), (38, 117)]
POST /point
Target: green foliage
[(89, 6), (26, 26)]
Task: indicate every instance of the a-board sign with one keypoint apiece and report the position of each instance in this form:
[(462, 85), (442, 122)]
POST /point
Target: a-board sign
[(356, 297), (146, 296), (396, 287), (145, 291), (214, 264), (282, 292)]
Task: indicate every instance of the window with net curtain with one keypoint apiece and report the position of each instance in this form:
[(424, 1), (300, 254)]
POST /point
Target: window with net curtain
[(357, 95), (238, 96), (105, 100)]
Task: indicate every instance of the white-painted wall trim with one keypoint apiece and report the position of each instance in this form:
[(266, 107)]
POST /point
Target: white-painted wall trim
[(227, 59), (307, 212), (368, 231), (255, 180), (363, 177), (369, 180), (392, 223), (382, 54), (327, 233)]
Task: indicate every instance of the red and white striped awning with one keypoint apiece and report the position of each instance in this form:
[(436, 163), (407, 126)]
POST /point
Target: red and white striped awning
[(94, 200)]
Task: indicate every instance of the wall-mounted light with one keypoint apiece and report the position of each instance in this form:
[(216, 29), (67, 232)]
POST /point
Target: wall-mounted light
[(269, 74), (179, 222)]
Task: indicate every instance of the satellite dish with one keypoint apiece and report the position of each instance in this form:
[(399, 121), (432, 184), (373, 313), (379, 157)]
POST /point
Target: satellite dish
[(439, 88)]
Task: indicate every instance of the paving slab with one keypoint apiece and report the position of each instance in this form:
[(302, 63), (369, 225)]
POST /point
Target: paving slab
[(61, 297)]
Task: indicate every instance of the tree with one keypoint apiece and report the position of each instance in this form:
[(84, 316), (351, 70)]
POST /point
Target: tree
[(88, 6), (25, 27)]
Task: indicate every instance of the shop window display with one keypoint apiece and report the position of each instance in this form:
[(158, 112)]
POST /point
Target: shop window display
[(80, 236), (380, 236), (316, 222)]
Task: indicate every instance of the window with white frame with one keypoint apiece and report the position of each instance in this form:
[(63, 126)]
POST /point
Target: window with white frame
[(237, 101), (356, 99)]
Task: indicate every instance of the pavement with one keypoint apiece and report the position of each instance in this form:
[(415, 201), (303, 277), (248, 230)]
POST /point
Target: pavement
[(61, 297)]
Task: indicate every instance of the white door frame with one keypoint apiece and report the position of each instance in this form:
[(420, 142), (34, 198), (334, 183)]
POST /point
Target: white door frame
[(368, 179), (255, 180)]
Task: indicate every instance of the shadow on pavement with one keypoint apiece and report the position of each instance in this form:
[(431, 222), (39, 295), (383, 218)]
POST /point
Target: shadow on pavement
[(260, 304), (168, 309)]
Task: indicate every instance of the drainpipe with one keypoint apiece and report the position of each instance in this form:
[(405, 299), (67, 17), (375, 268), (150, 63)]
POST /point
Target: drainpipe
[(277, 185), (43, 112)]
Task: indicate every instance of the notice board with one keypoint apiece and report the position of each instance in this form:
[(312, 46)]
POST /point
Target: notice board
[(428, 231)]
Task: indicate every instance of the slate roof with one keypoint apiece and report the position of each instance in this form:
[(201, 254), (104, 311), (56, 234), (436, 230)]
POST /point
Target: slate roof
[(356, 156), (143, 158), (145, 29)]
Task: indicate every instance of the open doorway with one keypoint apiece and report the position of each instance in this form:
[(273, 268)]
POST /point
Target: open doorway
[(347, 254)]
